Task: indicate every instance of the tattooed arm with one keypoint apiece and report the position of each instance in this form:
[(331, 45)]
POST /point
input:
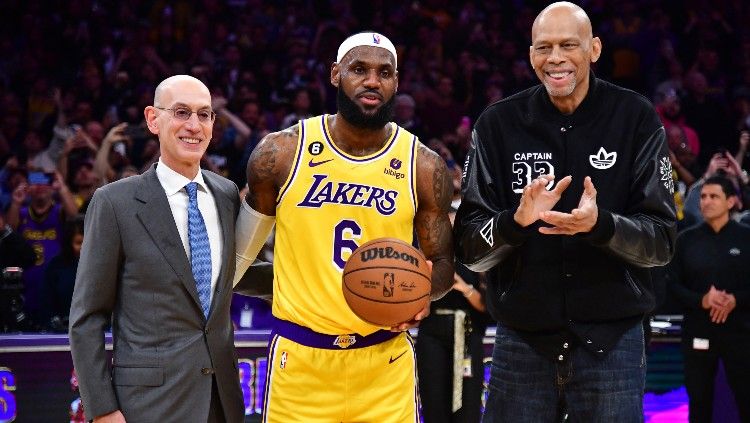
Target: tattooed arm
[(433, 227), (268, 168), (434, 189)]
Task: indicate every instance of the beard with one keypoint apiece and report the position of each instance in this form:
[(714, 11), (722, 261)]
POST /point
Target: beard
[(561, 92), (353, 114)]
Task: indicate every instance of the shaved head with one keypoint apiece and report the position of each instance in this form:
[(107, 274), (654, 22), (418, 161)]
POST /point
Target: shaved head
[(561, 53), (564, 9), (168, 83), (182, 140)]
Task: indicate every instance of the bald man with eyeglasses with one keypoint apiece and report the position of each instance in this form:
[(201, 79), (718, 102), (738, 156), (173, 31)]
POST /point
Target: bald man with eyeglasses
[(157, 262)]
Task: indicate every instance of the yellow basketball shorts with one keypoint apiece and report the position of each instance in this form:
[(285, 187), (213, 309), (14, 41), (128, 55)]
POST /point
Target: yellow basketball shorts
[(372, 383)]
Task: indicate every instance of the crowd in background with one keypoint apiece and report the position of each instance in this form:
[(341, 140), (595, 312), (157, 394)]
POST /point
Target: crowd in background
[(76, 75)]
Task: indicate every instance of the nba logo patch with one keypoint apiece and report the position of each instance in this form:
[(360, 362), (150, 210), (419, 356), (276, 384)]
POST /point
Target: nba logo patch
[(376, 39), (344, 341), (282, 361)]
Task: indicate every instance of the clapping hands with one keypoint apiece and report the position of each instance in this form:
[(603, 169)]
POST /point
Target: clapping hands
[(580, 219), (536, 199), (537, 203)]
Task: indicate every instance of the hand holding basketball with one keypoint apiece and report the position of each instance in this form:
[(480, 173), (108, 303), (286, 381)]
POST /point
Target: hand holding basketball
[(386, 282)]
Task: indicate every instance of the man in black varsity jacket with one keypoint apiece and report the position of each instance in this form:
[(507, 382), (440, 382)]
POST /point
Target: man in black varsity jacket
[(567, 201)]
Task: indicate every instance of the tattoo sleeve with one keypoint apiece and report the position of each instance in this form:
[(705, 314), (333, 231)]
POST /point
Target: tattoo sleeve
[(435, 188), (268, 166)]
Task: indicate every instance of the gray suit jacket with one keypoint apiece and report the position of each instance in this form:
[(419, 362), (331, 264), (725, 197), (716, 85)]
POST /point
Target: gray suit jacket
[(134, 273)]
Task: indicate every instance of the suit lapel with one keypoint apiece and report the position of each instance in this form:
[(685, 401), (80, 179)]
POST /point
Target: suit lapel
[(225, 210), (155, 215)]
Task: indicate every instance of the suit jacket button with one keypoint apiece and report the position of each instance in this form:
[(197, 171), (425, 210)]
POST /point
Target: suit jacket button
[(206, 371), (205, 330)]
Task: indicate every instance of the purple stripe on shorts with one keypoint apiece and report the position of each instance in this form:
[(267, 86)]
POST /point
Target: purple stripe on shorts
[(309, 338)]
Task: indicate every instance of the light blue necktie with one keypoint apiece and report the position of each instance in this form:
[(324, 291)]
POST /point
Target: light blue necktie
[(200, 248)]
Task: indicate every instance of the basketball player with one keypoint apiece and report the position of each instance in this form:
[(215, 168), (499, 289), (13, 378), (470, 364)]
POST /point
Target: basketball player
[(331, 183)]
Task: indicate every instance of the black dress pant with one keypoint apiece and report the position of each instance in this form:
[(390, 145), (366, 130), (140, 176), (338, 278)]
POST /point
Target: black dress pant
[(435, 370), (700, 372)]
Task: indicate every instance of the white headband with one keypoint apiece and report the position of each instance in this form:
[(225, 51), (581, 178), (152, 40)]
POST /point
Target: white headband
[(366, 39)]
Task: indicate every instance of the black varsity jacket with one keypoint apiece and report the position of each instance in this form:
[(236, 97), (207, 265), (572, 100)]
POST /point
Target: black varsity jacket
[(581, 283)]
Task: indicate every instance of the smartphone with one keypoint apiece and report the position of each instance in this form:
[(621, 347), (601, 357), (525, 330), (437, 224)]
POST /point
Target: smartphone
[(135, 132), (120, 149), (41, 178)]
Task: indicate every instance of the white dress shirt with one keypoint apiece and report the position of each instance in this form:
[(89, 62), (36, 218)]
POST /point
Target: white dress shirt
[(174, 186)]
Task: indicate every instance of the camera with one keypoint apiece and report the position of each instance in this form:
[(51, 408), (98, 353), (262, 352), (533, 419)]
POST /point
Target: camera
[(12, 316), (40, 178)]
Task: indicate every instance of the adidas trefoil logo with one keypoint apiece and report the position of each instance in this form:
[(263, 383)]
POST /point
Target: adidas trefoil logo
[(486, 233), (602, 159)]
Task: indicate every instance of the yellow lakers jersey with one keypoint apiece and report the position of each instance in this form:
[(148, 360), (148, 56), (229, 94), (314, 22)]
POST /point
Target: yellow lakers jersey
[(331, 203)]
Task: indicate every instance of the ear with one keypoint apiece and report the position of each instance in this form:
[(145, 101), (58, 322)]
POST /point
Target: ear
[(596, 49), (531, 57), (335, 75), (150, 114), (732, 202), (395, 75)]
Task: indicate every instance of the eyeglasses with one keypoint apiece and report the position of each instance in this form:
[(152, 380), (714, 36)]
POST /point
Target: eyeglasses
[(183, 114)]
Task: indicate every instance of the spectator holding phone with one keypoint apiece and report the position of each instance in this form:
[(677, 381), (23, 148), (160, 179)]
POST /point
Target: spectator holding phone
[(112, 154), (43, 153), (77, 165), (722, 163), (38, 216)]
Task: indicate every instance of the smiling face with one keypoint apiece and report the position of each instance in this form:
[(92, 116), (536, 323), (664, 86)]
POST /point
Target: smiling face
[(561, 53), (182, 143), (367, 80)]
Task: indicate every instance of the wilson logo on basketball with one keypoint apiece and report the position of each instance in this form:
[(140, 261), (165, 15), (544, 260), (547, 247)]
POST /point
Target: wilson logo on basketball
[(386, 253)]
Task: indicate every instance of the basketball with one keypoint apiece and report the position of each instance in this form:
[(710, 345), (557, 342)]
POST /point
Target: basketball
[(386, 282)]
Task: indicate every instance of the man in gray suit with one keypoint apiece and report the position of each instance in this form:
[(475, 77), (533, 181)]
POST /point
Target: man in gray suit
[(157, 262)]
